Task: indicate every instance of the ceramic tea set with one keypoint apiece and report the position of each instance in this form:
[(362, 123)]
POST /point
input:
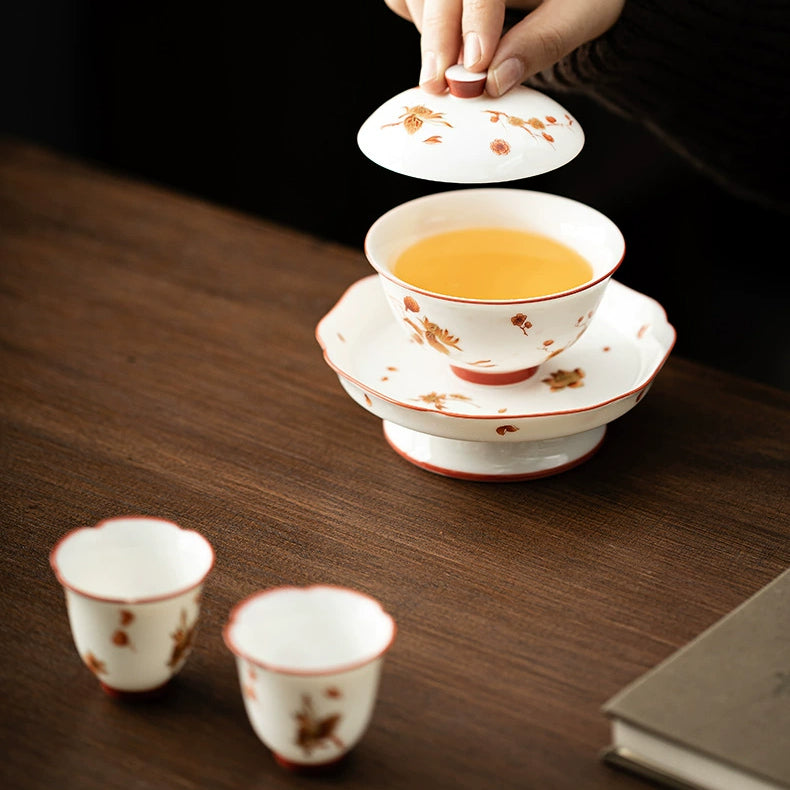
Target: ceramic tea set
[(490, 390), (507, 389)]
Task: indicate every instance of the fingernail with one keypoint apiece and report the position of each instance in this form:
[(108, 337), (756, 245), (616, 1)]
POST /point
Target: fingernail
[(472, 50), (428, 70), (507, 74)]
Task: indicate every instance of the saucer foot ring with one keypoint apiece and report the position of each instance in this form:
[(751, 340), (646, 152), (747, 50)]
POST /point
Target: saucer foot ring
[(493, 461)]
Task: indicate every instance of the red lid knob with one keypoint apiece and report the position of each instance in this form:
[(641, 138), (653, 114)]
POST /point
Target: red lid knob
[(464, 83)]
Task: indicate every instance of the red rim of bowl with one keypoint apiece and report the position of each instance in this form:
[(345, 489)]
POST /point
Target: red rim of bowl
[(388, 275)]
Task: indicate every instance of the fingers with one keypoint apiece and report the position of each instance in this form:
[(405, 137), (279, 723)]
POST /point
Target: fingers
[(469, 31), (545, 35), (481, 27), (440, 44), (453, 31)]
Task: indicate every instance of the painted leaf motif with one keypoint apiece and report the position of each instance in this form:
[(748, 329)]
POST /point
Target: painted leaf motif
[(561, 379), (183, 638), (314, 732), (94, 664)]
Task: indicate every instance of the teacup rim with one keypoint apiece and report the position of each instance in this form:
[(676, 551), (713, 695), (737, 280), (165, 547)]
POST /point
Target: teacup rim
[(336, 669), (128, 600)]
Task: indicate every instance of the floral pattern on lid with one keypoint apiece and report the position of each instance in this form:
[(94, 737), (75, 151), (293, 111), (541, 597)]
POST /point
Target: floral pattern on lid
[(466, 136)]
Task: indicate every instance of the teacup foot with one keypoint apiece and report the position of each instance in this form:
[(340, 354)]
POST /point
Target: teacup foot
[(497, 379), (135, 696), (311, 768)]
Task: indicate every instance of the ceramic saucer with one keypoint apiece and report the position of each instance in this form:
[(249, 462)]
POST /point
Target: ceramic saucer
[(545, 425)]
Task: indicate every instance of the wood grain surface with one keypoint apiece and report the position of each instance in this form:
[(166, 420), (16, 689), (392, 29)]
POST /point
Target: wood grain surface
[(158, 357)]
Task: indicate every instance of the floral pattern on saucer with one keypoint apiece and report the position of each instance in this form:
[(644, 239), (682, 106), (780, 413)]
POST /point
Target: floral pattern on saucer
[(597, 380)]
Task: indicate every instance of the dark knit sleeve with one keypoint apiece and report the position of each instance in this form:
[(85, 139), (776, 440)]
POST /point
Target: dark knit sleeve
[(709, 77)]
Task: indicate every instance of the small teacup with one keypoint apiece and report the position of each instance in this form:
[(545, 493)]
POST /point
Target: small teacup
[(501, 340), (133, 589), (309, 661)]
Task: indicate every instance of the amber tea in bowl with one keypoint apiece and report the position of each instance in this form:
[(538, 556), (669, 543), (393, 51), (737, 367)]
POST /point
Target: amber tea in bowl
[(494, 282), (492, 263)]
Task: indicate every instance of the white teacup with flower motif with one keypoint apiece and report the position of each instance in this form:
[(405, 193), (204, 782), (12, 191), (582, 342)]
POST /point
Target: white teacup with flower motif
[(133, 589), (500, 341), (309, 661)]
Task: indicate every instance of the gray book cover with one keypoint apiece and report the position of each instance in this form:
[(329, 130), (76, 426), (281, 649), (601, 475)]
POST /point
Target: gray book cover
[(726, 694)]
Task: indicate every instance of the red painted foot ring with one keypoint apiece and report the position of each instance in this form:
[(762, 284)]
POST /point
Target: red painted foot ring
[(481, 377), (135, 696), (310, 768)]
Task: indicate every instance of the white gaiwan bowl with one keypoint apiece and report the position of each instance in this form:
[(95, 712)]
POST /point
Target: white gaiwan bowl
[(466, 136), (502, 341)]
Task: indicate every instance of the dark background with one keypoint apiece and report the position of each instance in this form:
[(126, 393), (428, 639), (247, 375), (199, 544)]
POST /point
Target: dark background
[(224, 103)]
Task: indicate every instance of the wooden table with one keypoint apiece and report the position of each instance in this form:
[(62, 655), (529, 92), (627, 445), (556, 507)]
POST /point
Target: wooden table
[(158, 357)]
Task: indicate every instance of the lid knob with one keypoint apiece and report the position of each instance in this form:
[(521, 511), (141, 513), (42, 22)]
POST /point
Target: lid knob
[(465, 84)]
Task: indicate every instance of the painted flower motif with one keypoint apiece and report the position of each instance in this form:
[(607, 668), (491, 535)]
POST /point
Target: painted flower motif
[(413, 119), (121, 638), (313, 732), (522, 322), (500, 147), (410, 304), (505, 429), (127, 617), (534, 127), (248, 686)]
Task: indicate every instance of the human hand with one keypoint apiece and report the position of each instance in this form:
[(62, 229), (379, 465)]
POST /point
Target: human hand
[(470, 32)]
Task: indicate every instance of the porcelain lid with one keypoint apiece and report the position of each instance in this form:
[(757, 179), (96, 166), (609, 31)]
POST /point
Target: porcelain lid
[(466, 137)]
